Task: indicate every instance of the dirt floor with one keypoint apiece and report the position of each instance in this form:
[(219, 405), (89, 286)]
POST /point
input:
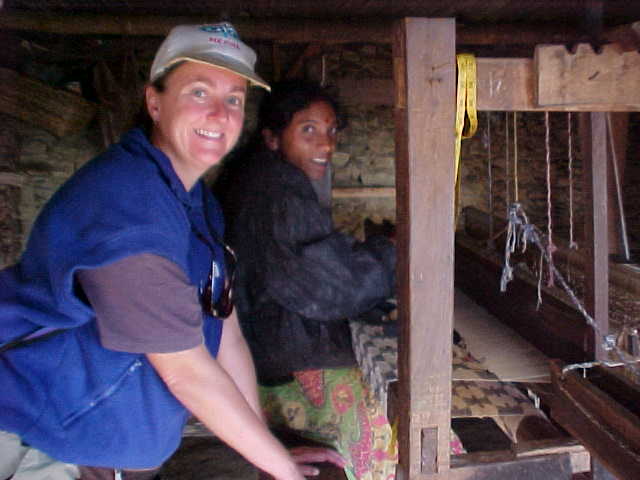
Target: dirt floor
[(201, 458), (205, 457)]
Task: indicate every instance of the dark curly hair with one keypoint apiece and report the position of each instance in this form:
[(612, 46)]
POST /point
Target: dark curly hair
[(288, 98)]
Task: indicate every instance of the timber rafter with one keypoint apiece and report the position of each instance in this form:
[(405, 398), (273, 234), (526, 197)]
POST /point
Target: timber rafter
[(307, 30)]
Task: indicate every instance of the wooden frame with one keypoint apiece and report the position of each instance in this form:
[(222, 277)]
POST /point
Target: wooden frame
[(424, 79)]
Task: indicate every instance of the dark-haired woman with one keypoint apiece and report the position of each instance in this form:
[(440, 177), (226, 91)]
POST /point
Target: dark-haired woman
[(299, 279)]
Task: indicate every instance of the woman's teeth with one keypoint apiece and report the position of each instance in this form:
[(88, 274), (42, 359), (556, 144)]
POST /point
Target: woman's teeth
[(208, 134), (320, 161)]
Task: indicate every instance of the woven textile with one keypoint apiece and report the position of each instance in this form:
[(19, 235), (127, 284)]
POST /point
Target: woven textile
[(476, 392)]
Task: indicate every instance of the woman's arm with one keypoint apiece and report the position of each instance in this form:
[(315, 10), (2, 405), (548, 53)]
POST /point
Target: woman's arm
[(203, 386), (235, 358), (317, 271)]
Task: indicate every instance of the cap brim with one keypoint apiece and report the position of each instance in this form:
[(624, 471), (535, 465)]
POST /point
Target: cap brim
[(225, 63)]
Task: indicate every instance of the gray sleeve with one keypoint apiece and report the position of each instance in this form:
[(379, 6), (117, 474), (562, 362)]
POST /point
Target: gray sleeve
[(144, 304)]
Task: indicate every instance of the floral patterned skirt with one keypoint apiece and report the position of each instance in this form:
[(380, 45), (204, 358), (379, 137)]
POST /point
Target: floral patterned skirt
[(335, 407)]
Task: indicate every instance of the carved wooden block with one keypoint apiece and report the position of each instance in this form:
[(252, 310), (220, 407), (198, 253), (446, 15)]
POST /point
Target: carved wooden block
[(585, 77)]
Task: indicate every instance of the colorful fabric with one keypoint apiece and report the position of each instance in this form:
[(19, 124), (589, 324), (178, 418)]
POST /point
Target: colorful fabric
[(335, 407)]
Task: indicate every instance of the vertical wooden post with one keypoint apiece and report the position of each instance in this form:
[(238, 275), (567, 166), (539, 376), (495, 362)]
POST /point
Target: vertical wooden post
[(424, 74), (594, 146)]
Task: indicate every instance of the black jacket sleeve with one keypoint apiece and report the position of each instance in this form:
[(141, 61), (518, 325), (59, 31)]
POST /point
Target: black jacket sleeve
[(318, 272)]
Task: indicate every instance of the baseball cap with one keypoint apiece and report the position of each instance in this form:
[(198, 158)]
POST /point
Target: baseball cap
[(217, 44)]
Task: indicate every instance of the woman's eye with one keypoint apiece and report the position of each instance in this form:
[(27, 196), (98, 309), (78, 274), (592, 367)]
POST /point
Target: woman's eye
[(199, 93), (235, 101), (308, 128)]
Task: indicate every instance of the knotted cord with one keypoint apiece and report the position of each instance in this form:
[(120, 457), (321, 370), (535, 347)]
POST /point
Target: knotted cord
[(507, 199), (572, 242), (515, 157), (551, 248), (490, 241), (521, 232)]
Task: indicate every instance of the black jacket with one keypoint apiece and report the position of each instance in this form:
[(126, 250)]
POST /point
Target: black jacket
[(298, 279)]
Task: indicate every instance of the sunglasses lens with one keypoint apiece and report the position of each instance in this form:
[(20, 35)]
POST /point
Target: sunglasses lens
[(223, 307)]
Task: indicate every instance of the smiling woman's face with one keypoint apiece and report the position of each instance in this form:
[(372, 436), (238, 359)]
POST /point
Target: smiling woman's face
[(309, 140), (197, 118)]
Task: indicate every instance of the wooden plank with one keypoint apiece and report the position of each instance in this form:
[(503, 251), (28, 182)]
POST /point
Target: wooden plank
[(542, 467), (363, 192), (579, 457), (508, 84), (593, 140), (298, 30), (57, 111), (616, 384), (480, 434), (424, 70), (608, 430), (608, 78)]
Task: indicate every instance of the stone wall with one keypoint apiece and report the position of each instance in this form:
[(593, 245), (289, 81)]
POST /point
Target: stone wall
[(42, 163)]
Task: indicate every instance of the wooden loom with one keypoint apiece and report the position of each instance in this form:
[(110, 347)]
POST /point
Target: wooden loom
[(424, 52)]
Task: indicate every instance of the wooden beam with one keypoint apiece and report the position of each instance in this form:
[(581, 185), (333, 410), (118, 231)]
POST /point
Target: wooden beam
[(57, 111), (280, 30), (584, 77), (295, 30), (363, 192), (424, 74), (608, 430), (509, 84), (541, 467), (593, 139)]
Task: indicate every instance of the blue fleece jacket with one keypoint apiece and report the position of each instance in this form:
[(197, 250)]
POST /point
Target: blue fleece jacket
[(67, 395)]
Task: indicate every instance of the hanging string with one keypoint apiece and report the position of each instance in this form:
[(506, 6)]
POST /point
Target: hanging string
[(616, 176), (490, 242), (540, 267), (521, 232), (507, 199), (324, 72), (515, 157), (550, 246), (572, 242)]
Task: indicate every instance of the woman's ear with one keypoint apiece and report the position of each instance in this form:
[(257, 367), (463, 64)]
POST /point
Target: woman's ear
[(152, 97), (270, 139)]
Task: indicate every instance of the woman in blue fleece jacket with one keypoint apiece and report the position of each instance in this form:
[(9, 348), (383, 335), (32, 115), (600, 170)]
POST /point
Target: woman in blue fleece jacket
[(112, 322)]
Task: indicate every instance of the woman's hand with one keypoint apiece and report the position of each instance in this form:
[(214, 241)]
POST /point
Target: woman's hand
[(304, 455)]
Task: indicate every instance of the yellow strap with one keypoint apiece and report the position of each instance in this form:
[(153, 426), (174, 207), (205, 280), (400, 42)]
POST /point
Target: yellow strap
[(466, 113)]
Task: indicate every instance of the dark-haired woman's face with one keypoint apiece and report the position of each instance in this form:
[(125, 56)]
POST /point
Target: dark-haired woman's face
[(309, 140)]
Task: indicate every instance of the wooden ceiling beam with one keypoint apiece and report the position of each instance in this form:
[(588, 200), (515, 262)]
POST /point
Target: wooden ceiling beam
[(302, 30)]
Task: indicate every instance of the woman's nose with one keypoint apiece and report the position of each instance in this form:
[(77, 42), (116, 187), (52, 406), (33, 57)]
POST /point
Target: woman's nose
[(217, 110), (327, 143)]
